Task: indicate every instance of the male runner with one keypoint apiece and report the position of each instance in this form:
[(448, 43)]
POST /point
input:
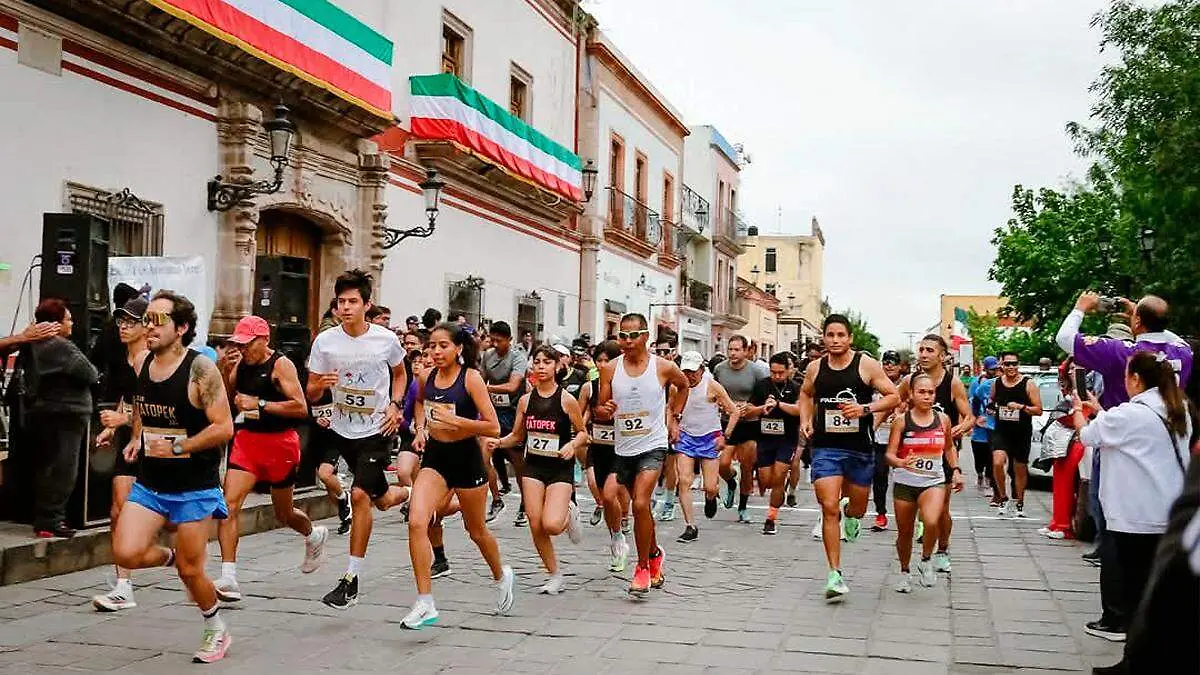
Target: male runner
[(180, 420), (1016, 400), (266, 393), (363, 364), (774, 405), (981, 445), (665, 348), (950, 397), (632, 396), (700, 428), (380, 316), (835, 412), (503, 369), (739, 377), (883, 428)]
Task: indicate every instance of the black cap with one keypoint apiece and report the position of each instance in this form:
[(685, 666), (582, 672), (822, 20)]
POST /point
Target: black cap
[(413, 319), (134, 309), (891, 356)]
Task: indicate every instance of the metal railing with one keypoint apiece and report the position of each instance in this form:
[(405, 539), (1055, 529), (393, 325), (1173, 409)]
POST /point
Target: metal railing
[(695, 210), (628, 215), (731, 226)]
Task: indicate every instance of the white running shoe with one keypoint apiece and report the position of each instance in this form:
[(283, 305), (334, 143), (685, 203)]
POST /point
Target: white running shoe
[(227, 590), (213, 646), (120, 597), (553, 586), (925, 573), (574, 532), (904, 585), (941, 562), (421, 615), (314, 553), (1008, 509), (816, 531), (504, 590), (619, 551), (1052, 534)]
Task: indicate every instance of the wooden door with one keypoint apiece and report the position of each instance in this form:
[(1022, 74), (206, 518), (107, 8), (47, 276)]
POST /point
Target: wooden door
[(283, 233)]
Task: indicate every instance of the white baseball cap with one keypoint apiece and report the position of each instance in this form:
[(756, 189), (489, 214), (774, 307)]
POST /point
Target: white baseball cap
[(562, 349), (691, 360)]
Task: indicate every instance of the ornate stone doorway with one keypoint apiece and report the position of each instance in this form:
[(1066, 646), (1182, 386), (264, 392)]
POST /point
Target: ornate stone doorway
[(284, 233)]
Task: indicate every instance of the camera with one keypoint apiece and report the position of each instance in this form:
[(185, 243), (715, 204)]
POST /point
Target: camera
[(1108, 305)]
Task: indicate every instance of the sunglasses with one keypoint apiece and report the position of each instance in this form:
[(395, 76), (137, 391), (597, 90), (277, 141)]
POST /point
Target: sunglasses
[(632, 335), (663, 352), (1010, 364), (156, 318), (129, 323)]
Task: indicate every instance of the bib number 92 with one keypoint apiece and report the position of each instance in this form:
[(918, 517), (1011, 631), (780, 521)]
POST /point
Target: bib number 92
[(633, 424)]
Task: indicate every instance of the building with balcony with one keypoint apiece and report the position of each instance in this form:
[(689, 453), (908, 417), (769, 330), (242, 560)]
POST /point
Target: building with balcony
[(631, 244), (696, 259), (790, 267), (761, 310)]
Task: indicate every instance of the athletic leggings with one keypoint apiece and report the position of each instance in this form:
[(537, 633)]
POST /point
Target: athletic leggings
[(879, 485)]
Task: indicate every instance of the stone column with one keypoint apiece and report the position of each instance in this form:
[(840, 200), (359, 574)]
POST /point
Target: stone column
[(589, 255), (373, 181), (237, 123)]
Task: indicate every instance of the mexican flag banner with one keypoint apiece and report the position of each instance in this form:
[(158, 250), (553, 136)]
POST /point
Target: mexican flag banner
[(312, 39), (443, 108), (959, 335)]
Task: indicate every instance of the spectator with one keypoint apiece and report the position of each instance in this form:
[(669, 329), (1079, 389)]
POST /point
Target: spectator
[(411, 324), (1061, 428), (34, 332), (980, 395), (1144, 444), (60, 404), (108, 353), (380, 316), (330, 318), (430, 318), (526, 343)]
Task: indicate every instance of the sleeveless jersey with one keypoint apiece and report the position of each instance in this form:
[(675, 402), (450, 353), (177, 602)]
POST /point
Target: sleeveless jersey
[(602, 433), (928, 444), (831, 387), (641, 417), (547, 427), (256, 380), (1013, 424), (943, 397), (700, 415), (454, 398), (167, 414)]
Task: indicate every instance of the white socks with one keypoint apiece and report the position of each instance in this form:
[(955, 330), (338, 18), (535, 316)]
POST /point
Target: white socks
[(229, 571), (355, 566), (212, 618)]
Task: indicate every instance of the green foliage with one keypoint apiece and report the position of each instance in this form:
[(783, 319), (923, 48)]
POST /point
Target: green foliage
[(864, 339), (990, 339)]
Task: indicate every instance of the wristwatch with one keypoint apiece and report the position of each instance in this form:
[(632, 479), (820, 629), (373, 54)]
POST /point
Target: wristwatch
[(177, 448), (262, 405)]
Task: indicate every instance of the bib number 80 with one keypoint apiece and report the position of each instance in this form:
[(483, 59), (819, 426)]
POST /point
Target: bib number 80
[(925, 464)]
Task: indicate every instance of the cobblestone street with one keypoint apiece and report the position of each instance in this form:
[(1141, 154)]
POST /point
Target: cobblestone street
[(734, 601)]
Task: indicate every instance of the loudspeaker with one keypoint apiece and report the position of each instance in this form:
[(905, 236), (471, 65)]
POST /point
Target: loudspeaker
[(75, 268), (281, 289)]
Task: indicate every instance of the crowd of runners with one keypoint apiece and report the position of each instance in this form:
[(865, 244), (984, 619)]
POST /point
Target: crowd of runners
[(446, 411)]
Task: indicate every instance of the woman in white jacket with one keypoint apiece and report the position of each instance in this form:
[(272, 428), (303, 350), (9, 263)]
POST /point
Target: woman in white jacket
[(1143, 446)]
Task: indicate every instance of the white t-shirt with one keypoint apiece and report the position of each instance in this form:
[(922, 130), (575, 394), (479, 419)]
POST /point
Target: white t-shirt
[(364, 368)]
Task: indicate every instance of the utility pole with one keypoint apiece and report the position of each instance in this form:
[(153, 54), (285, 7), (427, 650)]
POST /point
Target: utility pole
[(912, 345)]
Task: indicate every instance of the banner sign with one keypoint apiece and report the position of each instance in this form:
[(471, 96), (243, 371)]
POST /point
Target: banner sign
[(186, 275)]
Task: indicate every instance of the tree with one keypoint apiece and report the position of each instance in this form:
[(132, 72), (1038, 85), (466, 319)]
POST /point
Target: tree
[(864, 339), (989, 339)]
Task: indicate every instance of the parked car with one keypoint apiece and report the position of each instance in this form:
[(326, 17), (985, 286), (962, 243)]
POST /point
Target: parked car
[(1047, 383)]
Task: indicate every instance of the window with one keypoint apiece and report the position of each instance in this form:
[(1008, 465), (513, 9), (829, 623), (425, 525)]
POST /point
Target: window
[(616, 163), (466, 296), (562, 310), (771, 288), (518, 93), (668, 197), (529, 316), (769, 263), (456, 47), (135, 227)]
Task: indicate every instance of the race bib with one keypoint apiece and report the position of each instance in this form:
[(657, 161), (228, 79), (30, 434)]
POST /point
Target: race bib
[(151, 434), (430, 406), (1009, 415), (604, 434), (501, 400), (836, 423), (927, 465), (322, 412), (544, 445), (355, 401), (771, 426), (635, 423)]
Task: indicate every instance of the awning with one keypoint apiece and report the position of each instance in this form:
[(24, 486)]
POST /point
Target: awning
[(314, 40), (443, 108)]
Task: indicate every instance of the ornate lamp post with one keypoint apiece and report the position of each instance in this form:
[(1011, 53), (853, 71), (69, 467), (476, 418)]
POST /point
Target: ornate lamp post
[(223, 196), (431, 189)]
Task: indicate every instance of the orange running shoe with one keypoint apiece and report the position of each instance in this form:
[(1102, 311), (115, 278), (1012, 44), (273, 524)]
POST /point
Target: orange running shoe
[(640, 584), (656, 568)]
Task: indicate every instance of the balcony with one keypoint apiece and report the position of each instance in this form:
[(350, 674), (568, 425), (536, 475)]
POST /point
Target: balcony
[(731, 232), (632, 224), (670, 252), (697, 295), (730, 311), (695, 212)]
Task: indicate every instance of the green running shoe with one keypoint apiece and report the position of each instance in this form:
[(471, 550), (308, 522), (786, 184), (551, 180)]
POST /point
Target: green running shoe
[(850, 526), (835, 588)]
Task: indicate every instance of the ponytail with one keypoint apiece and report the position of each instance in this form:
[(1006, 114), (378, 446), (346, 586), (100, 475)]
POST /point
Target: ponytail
[(1155, 371)]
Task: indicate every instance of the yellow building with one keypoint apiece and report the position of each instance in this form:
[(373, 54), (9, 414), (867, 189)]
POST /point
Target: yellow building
[(761, 310), (791, 267), (980, 304)]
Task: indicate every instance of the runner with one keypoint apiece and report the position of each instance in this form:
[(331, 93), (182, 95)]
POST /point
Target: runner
[(699, 434), (363, 365), (453, 411), (920, 443), (1016, 400), (739, 377), (180, 420), (504, 369), (836, 396), (120, 387), (883, 429), (265, 391), (665, 348), (324, 438), (980, 396), (775, 406), (545, 419), (632, 396), (611, 505)]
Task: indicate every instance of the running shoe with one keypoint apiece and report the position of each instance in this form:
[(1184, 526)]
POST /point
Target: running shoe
[(1092, 558), (744, 516), (439, 568), (626, 526), (597, 516), (881, 522), (710, 507), (941, 562), (656, 568), (421, 615), (213, 646), (668, 512), (769, 526), (903, 585), (925, 573), (495, 509), (227, 590), (553, 586), (345, 515), (919, 531), (690, 534), (344, 595), (1104, 631), (835, 587), (1009, 510), (851, 527), (314, 551), (640, 584), (505, 489), (120, 597), (573, 530), (790, 500), (521, 520), (619, 551), (1019, 510), (817, 535), (404, 512), (504, 590), (730, 493)]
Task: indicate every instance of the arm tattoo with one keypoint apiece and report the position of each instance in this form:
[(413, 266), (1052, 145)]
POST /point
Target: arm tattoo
[(208, 382)]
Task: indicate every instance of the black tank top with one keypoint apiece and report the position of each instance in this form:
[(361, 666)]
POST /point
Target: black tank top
[(547, 426), (256, 380), (831, 387), (943, 397), (1020, 428), (167, 413)]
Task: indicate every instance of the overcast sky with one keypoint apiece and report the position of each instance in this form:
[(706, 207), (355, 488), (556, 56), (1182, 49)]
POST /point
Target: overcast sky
[(902, 126)]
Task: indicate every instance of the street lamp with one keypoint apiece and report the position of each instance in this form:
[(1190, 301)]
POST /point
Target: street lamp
[(791, 301), (589, 180), (754, 273), (223, 196), (431, 190), (1146, 242)]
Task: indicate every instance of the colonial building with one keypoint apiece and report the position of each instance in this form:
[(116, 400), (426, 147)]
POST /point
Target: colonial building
[(790, 267), (630, 256), (761, 310)]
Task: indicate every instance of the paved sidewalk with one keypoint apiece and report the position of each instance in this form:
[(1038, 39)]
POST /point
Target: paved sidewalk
[(734, 601)]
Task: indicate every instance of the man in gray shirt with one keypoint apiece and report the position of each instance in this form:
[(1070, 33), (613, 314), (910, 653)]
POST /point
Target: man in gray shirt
[(739, 377), (503, 371)]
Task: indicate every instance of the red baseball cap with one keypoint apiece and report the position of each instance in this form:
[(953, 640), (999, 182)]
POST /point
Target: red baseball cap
[(248, 328)]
